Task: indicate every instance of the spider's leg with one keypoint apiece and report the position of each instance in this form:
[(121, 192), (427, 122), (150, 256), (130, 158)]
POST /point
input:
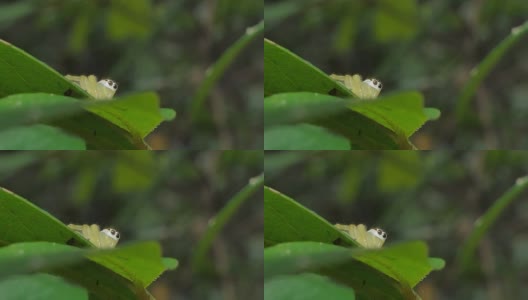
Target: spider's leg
[(85, 83), (96, 88), (86, 232), (96, 235), (74, 79), (76, 228), (353, 232), (339, 78), (361, 231)]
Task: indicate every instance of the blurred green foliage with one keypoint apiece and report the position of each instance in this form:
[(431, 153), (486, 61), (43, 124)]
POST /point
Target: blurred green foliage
[(430, 46), (296, 91), (165, 46), (172, 197), (437, 197)]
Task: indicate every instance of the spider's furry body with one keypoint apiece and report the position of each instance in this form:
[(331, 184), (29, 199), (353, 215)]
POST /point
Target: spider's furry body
[(364, 89), (102, 89), (106, 238), (373, 238)]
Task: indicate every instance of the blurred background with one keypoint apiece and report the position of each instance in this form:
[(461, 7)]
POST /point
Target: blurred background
[(155, 45), (168, 196), (432, 196), (430, 46)]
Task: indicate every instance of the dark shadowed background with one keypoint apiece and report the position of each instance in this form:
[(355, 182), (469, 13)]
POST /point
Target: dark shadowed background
[(428, 46), (169, 196), (162, 46), (436, 197)]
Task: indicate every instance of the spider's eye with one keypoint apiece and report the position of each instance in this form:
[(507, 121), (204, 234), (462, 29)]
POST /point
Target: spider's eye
[(111, 233), (374, 83), (114, 233), (379, 233), (109, 84), (377, 83)]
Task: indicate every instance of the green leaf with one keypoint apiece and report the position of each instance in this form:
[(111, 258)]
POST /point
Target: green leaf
[(168, 114), (101, 282), (20, 258), (39, 137), (305, 287), (398, 112), (301, 107), (286, 72), (371, 273), (40, 287), (303, 137), (432, 113), (436, 263), (140, 263), (21, 222), (299, 92), (99, 133), (22, 73), (138, 114), (121, 123), (385, 122), (68, 262), (286, 220), (170, 263), (404, 262), (298, 240), (68, 114), (21, 109)]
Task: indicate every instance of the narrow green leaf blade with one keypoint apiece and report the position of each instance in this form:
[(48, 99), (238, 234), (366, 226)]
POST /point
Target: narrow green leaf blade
[(218, 69)]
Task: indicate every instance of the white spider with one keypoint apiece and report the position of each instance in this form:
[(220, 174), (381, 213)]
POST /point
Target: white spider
[(373, 238), (102, 89), (366, 89), (106, 238)]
